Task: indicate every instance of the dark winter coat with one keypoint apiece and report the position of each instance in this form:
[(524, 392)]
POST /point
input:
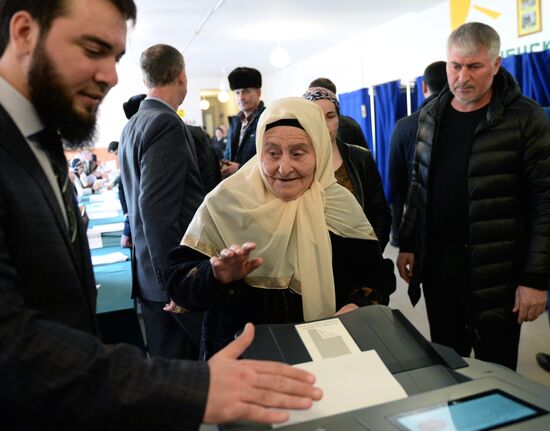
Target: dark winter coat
[(508, 198)]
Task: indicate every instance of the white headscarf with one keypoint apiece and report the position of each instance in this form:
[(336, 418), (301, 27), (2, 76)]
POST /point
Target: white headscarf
[(292, 237)]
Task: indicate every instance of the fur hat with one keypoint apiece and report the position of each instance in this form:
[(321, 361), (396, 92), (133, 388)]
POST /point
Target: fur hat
[(244, 77)]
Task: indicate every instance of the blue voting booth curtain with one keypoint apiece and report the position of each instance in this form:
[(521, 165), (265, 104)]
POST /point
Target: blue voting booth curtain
[(390, 104), (357, 105), (419, 94), (415, 89), (531, 71), (536, 76), (513, 65)]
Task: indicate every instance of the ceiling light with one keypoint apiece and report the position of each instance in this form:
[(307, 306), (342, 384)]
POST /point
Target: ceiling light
[(223, 96), (204, 105), (279, 57)]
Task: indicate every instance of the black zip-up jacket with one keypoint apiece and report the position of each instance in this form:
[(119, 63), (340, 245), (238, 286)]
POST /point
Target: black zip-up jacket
[(508, 198), (367, 184)]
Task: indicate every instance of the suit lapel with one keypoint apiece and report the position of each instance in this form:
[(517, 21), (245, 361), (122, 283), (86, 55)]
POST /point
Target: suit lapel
[(16, 145)]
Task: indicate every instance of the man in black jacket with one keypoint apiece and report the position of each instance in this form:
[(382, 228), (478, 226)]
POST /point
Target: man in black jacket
[(403, 144), (476, 230)]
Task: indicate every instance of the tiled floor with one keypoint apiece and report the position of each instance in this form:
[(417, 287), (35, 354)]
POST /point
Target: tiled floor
[(535, 336)]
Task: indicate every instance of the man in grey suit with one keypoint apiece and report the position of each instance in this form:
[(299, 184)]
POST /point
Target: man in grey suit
[(55, 373), (163, 188)]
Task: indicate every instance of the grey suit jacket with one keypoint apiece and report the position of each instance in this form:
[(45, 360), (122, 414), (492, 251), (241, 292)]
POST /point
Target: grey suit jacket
[(163, 189), (54, 370)]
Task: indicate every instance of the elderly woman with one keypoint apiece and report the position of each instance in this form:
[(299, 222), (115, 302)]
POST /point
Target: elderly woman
[(354, 167), (315, 254)]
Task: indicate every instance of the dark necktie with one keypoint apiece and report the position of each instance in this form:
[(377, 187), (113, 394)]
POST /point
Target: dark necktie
[(51, 143)]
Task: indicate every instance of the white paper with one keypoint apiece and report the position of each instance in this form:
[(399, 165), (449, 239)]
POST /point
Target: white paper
[(349, 382), (110, 205), (105, 228), (109, 165), (94, 239), (103, 196), (109, 258), (326, 339), (97, 215)]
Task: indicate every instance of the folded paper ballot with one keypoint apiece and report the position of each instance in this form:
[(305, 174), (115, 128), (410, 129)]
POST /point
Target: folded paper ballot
[(327, 338), (349, 382), (109, 258)]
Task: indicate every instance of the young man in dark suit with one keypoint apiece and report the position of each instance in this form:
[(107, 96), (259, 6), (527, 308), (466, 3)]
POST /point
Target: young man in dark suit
[(57, 62)]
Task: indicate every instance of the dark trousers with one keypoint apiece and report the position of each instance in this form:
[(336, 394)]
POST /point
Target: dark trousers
[(448, 303), (169, 335)]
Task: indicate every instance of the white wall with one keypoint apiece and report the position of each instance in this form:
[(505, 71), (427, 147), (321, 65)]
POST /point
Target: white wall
[(111, 119), (399, 49)]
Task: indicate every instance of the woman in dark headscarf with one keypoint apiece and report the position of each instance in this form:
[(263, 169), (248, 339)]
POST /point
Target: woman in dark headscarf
[(354, 167)]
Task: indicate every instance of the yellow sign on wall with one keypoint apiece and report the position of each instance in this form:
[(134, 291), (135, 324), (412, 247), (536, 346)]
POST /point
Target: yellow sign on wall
[(460, 10)]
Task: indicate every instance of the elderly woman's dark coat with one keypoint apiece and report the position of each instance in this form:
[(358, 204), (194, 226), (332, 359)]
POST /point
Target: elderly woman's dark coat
[(361, 276)]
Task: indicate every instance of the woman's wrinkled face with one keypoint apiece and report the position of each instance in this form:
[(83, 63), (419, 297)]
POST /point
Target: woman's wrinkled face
[(288, 161)]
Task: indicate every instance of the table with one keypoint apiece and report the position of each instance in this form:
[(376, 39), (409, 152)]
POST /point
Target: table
[(116, 310)]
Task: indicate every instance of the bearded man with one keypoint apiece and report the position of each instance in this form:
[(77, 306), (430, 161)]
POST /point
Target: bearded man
[(57, 62)]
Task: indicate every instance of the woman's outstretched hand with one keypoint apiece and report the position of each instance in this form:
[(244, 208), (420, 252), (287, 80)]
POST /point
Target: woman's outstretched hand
[(233, 263)]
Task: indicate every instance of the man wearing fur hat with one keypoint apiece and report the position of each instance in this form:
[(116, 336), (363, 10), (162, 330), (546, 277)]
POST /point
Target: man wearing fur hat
[(246, 83)]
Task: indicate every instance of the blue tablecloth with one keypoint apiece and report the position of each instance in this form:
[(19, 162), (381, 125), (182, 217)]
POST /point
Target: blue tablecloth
[(116, 314), (115, 279), (115, 282), (98, 222)]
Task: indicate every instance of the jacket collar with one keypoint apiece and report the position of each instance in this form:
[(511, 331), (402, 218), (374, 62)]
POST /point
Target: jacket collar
[(15, 144), (259, 109), (155, 103), (20, 110), (505, 91)]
